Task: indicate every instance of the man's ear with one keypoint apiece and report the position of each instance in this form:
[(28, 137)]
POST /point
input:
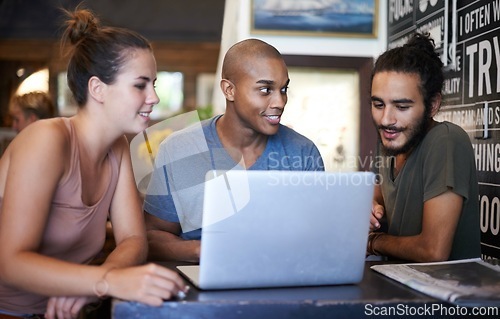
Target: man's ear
[(435, 104), (227, 88), (96, 89)]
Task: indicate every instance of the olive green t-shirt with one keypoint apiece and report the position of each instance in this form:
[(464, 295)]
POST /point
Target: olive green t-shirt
[(443, 160)]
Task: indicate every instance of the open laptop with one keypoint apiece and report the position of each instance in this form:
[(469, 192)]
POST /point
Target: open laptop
[(282, 229)]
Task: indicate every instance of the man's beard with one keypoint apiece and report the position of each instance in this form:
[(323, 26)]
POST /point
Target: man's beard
[(418, 133)]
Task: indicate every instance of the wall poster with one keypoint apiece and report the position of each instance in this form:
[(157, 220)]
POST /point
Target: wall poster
[(339, 18)]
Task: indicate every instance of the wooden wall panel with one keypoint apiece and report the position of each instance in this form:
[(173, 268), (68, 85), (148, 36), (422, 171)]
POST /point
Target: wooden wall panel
[(190, 58)]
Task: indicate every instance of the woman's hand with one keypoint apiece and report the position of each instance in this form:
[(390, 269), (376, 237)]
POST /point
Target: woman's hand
[(66, 307), (150, 284)]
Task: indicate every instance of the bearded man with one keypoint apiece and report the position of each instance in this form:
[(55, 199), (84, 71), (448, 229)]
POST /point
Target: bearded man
[(428, 189)]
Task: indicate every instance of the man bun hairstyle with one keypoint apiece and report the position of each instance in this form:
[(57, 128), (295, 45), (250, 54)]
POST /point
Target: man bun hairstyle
[(417, 56)]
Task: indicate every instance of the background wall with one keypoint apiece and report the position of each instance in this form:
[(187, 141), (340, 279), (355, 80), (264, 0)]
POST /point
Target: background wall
[(466, 33), (185, 35)]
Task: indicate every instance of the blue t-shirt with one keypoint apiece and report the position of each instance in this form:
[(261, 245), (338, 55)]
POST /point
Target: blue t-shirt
[(175, 191)]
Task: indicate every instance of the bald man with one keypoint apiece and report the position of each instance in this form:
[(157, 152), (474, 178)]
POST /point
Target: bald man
[(247, 136)]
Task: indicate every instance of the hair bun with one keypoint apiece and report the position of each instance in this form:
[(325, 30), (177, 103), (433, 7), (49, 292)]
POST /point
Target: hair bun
[(422, 42), (80, 24)]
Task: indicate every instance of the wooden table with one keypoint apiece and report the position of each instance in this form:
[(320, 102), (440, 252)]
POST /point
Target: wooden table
[(374, 295)]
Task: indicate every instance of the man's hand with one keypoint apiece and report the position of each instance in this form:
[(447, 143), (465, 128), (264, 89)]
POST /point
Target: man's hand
[(377, 213)]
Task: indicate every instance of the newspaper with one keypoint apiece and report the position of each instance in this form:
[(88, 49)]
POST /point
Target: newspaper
[(468, 282)]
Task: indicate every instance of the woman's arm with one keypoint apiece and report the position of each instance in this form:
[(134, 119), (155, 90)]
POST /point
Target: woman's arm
[(37, 162), (126, 215)]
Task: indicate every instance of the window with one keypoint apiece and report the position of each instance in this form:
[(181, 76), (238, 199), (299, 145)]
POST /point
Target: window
[(38, 81), (169, 87)]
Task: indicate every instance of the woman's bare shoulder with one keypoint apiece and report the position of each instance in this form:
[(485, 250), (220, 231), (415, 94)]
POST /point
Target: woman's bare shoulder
[(43, 137)]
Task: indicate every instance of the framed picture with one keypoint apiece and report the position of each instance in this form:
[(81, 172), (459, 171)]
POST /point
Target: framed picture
[(323, 104), (328, 102), (342, 18)]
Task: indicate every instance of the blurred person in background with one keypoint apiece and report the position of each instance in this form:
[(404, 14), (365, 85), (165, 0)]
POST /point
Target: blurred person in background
[(30, 107)]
